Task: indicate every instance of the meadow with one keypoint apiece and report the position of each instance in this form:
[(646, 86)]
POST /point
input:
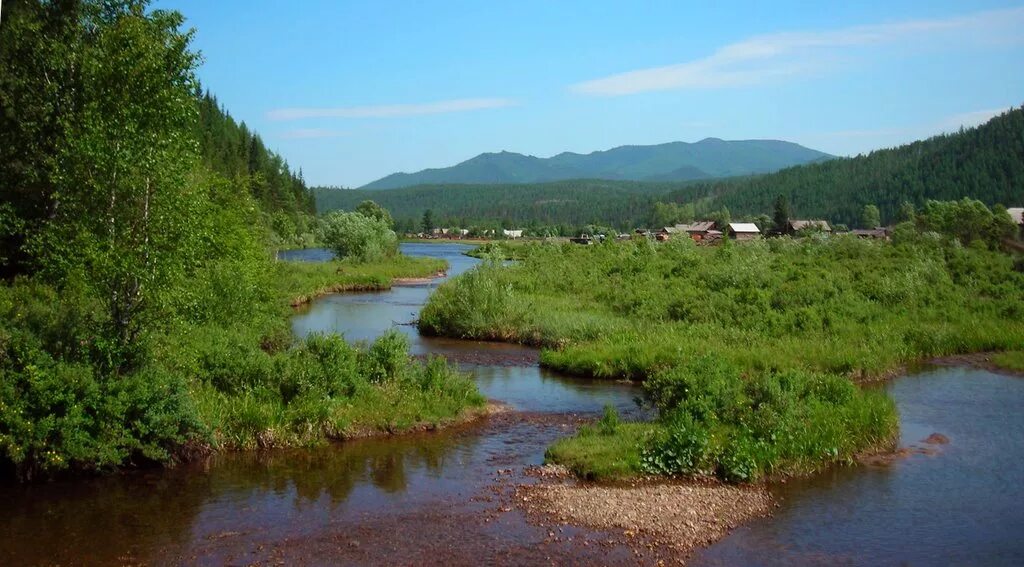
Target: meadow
[(749, 352)]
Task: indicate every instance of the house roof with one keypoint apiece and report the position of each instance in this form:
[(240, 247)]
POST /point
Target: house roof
[(802, 224), (699, 226), (1017, 214), (743, 227), (875, 232)]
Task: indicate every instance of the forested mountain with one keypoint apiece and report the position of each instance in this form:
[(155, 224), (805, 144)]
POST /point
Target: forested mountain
[(574, 202), (674, 161), (985, 163)]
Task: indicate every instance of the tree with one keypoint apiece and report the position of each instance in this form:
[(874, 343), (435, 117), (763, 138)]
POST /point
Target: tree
[(907, 212), (428, 221), (123, 210), (371, 209), (870, 217), (358, 237), (782, 214)]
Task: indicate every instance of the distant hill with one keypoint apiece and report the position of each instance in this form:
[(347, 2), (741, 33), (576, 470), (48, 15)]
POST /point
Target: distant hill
[(984, 163), (674, 161)]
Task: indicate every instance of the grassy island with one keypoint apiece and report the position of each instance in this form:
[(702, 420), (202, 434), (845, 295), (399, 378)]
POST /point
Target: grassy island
[(749, 351)]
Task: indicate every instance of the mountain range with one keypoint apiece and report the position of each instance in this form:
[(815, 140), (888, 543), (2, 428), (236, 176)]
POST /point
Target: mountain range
[(673, 161)]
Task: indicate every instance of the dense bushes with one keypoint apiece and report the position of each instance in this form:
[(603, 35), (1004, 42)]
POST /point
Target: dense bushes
[(719, 422), (747, 350), (359, 237)]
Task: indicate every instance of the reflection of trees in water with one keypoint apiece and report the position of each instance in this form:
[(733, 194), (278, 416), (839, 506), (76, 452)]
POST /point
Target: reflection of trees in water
[(101, 520), (335, 471), (98, 521)]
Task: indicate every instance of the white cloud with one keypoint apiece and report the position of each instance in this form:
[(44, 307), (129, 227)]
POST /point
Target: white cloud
[(768, 57), (308, 133), (391, 110)]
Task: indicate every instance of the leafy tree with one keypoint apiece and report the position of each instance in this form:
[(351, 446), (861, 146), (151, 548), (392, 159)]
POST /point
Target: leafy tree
[(781, 214), (870, 217), (361, 238), (967, 220), (123, 206), (371, 209), (907, 212)]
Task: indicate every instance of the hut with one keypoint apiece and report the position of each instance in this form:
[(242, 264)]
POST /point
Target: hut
[(1017, 214), (743, 231), (796, 226), (698, 230), (879, 232)]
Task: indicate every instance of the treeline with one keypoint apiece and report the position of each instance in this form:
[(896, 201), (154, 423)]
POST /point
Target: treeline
[(572, 204), (984, 163), (230, 149)]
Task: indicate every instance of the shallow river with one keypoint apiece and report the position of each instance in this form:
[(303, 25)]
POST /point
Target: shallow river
[(444, 497)]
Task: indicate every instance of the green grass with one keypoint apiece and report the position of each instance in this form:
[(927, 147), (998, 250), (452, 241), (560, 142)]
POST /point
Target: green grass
[(301, 282), (594, 455), (1012, 360), (748, 351)]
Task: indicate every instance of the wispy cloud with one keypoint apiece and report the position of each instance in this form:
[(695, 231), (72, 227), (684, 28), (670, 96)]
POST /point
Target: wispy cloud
[(392, 110), (852, 142), (969, 119), (763, 58), (308, 133)]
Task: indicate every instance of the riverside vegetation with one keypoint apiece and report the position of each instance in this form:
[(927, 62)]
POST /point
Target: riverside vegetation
[(141, 316), (750, 351)]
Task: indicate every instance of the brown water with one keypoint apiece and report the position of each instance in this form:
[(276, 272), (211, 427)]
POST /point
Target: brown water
[(444, 498)]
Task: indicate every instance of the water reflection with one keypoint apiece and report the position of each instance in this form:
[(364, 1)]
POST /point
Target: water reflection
[(960, 505)]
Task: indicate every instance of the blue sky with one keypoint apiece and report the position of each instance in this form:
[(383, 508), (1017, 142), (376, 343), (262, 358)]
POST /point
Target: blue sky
[(351, 91)]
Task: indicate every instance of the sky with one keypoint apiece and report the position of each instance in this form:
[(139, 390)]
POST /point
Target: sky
[(352, 91)]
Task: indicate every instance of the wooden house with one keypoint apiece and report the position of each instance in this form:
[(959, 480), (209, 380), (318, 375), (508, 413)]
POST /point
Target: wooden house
[(796, 226), (743, 231)]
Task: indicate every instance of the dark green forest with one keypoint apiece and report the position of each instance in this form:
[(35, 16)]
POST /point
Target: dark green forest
[(233, 151), (573, 203), (985, 163)]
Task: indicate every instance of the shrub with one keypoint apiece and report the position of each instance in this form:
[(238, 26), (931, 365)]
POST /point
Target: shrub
[(361, 238)]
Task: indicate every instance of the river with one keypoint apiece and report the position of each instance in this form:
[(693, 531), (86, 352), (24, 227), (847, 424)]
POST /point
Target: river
[(444, 497)]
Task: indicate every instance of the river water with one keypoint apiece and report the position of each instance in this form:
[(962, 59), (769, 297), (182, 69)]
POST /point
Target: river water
[(443, 497)]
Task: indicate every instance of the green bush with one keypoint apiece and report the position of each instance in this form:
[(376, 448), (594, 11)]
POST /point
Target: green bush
[(359, 237)]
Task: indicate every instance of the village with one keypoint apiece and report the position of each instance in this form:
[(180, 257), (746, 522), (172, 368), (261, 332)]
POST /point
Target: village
[(705, 232)]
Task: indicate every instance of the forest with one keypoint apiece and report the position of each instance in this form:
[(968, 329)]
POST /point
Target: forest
[(142, 316), (571, 204)]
